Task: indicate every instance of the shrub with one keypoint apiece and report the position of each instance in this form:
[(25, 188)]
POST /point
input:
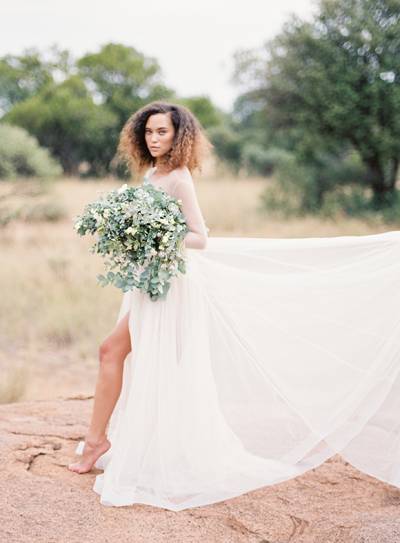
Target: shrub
[(256, 159), (227, 145), (21, 155), (305, 186), (44, 211)]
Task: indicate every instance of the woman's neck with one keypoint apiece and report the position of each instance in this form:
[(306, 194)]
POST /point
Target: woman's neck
[(161, 170)]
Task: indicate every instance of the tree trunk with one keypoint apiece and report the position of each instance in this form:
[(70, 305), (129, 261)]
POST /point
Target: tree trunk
[(69, 164), (382, 179)]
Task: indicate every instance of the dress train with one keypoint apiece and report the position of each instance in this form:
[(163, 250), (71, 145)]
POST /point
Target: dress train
[(266, 358)]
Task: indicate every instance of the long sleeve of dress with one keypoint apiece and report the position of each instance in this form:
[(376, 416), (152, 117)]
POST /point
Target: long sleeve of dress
[(197, 236)]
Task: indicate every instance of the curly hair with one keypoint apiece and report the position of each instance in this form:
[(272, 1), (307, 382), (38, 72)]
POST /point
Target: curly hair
[(190, 144)]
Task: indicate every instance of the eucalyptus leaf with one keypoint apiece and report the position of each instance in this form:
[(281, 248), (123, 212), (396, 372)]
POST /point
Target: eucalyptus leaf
[(137, 217)]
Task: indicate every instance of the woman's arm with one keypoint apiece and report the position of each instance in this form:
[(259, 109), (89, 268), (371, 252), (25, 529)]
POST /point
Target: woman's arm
[(184, 190)]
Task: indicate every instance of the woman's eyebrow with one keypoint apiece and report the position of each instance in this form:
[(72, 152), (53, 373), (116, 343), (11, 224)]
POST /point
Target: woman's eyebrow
[(159, 128)]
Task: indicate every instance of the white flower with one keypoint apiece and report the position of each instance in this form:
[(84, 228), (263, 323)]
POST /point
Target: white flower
[(129, 212), (131, 230), (122, 188)]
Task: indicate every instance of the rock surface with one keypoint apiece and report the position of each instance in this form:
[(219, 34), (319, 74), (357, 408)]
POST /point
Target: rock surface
[(41, 501)]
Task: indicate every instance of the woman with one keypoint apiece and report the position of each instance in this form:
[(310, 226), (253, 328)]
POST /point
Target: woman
[(148, 136), (266, 358)]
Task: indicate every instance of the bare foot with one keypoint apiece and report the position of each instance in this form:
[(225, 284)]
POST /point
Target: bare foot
[(91, 452)]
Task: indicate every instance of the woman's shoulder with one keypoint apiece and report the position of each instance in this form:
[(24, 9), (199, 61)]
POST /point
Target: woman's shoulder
[(182, 181), (182, 170), (182, 174)]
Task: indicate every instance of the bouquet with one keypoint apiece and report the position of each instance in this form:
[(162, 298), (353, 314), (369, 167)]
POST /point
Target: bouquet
[(140, 233)]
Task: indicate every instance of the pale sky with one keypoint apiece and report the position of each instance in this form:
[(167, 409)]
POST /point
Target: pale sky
[(193, 42)]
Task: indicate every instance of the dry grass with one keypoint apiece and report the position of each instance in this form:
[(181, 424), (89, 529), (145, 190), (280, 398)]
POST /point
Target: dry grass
[(53, 314)]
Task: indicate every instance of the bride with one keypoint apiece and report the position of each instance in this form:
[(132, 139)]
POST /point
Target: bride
[(265, 359)]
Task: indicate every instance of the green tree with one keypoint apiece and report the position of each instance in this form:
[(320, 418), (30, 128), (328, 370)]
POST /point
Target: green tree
[(23, 76), (204, 109), (335, 80), (65, 119), (77, 108), (227, 144), (123, 79)]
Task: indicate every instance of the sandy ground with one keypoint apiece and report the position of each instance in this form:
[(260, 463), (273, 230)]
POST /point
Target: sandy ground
[(41, 501)]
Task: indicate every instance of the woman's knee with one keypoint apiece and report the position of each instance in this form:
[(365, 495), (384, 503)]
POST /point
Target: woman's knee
[(113, 350), (118, 344), (106, 350)]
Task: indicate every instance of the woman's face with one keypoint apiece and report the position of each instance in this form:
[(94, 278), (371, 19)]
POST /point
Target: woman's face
[(159, 134)]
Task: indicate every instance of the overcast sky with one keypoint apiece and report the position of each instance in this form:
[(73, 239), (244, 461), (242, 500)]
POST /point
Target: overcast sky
[(193, 41)]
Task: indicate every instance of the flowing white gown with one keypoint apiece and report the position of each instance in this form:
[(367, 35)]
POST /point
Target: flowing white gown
[(266, 358)]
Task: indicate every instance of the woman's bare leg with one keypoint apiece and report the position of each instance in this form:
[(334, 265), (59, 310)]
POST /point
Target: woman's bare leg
[(112, 354)]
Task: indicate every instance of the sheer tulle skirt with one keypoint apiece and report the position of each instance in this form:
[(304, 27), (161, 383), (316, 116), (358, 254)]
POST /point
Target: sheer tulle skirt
[(266, 358)]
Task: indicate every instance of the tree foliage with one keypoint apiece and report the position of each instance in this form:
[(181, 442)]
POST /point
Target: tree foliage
[(23, 76), (76, 108), (333, 82), (64, 118), (21, 155), (123, 79)]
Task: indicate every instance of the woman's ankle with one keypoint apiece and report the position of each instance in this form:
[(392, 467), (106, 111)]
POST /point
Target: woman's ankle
[(94, 440)]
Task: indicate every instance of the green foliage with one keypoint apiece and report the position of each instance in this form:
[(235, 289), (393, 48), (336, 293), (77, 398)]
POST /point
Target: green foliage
[(302, 187), (201, 106), (146, 249), (334, 81), (260, 160), (21, 155), (21, 77), (77, 108), (331, 187), (123, 79), (358, 201), (227, 144), (65, 119)]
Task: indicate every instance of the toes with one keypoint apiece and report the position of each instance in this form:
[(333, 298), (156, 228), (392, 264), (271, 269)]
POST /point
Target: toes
[(78, 467), (75, 467), (76, 470)]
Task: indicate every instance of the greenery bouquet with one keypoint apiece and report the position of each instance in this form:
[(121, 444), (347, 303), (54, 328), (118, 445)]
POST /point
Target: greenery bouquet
[(140, 233)]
